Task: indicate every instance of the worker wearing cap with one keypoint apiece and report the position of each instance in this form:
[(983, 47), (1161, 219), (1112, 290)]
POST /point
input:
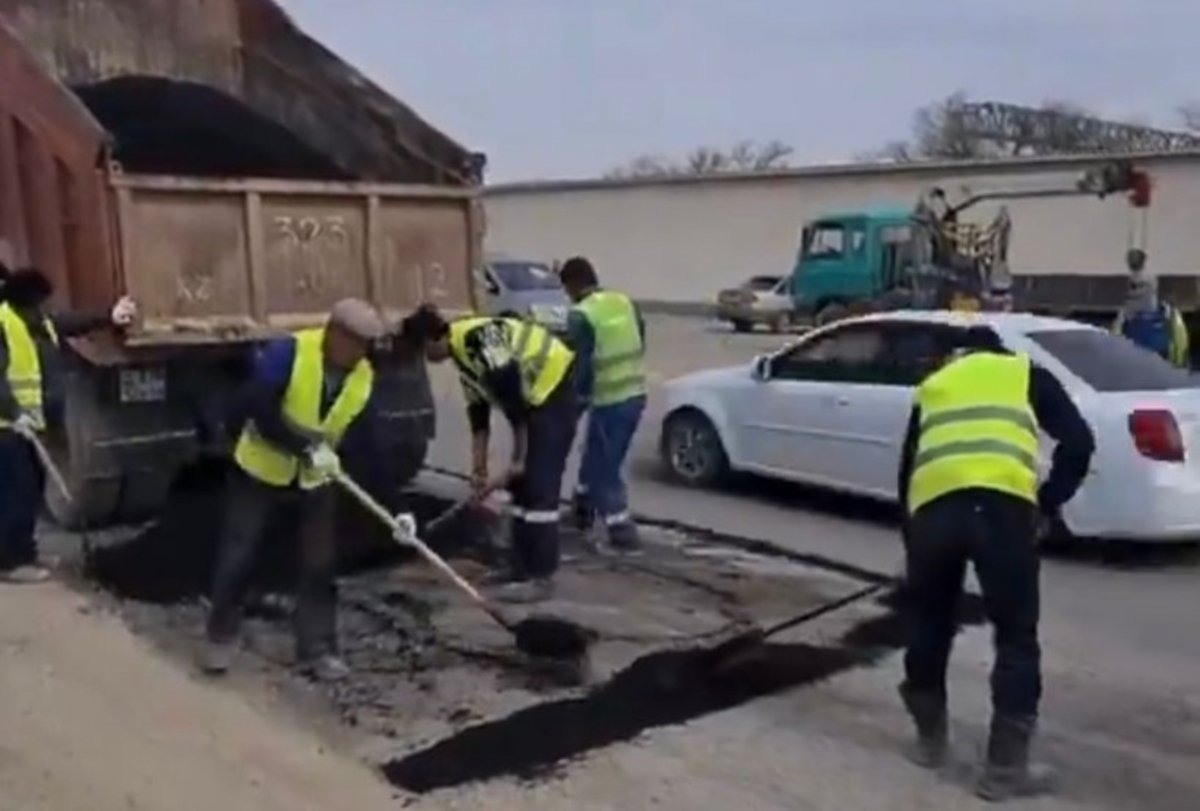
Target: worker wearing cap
[(520, 368), (308, 391), (32, 397), (1152, 323), (969, 482), (608, 335)]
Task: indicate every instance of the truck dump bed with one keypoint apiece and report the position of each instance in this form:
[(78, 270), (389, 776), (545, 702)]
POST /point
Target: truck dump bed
[(221, 167)]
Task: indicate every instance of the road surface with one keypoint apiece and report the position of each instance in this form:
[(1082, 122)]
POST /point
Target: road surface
[(1122, 658)]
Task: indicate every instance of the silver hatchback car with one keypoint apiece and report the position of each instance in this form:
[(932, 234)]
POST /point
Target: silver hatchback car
[(523, 288)]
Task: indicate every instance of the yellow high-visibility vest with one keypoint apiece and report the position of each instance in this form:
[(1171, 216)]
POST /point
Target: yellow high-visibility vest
[(302, 409), (977, 430), (542, 359), (24, 367), (618, 362)]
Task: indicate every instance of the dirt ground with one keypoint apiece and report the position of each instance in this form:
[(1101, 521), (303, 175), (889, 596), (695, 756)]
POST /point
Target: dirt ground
[(92, 718)]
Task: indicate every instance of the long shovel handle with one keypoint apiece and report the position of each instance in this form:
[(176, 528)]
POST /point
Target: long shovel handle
[(364, 498), (48, 463), (457, 508)]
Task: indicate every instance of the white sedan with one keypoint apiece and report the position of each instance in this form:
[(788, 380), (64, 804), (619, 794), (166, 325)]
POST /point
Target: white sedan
[(831, 408)]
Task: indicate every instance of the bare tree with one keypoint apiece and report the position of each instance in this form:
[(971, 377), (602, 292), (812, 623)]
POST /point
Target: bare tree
[(745, 156), (1190, 113), (958, 129)]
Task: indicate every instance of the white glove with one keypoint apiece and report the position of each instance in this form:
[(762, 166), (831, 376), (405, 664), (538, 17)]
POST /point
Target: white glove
[(124, 312), (323, 462), (26, 424), (406, 527)]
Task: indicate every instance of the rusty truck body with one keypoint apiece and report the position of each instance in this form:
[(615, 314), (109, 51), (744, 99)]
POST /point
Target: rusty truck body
[(236, 178)]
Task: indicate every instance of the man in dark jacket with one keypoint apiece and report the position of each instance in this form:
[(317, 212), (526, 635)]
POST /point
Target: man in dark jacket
[(309, 393), (32, 395), (969, 482)]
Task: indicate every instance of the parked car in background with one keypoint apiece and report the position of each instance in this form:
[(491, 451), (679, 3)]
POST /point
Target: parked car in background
[(523, 288), (831, 409), (758, 300)]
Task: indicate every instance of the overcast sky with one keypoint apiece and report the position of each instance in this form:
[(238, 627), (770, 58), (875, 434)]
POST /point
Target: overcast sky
[(570, 88)]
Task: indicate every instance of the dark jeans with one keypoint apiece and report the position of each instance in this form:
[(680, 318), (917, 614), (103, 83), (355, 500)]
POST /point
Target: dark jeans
[(21, 483), (249, 507), (536, 495), (997, 534), (610, 431)]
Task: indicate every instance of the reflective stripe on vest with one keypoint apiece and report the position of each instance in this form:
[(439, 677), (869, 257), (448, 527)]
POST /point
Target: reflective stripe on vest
[(302, 410), (24, 366), (619, 353), (543, 359), (977, 430)]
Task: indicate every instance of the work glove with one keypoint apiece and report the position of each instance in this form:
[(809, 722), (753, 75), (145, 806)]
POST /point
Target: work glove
[(406, 528), (124, 312), (323, 463), (26, 424)]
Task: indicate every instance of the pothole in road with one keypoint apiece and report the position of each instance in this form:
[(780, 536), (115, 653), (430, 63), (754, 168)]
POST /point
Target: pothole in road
[(400, 634), (663, 688)]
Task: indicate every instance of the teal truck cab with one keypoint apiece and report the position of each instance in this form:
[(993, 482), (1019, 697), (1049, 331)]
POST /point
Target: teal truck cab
[(847, 258)]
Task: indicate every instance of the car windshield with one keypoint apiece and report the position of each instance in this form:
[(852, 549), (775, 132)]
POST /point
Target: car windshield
[(1110, 363), (526, 276)]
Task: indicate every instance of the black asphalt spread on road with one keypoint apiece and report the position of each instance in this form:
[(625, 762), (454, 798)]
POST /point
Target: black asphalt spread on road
[(661, 689)]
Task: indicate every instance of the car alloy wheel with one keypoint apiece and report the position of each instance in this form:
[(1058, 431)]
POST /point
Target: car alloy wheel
[(693, 450)]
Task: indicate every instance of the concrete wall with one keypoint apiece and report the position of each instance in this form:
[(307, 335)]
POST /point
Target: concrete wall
[(680, 241)]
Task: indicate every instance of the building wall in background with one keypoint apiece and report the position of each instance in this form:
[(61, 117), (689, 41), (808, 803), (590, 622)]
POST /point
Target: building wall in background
[(680, 241)]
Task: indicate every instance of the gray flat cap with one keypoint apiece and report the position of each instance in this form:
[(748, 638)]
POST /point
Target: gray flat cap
[(359, 318)]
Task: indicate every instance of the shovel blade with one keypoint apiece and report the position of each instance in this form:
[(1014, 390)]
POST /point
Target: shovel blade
[(551, 638)]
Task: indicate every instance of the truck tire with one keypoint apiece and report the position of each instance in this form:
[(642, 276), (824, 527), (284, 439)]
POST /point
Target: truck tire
[(113, 473), (410, 458), (741, 325)]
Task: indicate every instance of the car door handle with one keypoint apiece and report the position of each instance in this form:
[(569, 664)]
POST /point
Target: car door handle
[(841, 400)]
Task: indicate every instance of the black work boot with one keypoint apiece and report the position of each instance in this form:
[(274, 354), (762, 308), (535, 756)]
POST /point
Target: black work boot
[(928, 711), (583, 516), (1008, 772), (624, 538)]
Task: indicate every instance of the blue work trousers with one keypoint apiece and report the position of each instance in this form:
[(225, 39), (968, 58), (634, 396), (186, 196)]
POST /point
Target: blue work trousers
[(601, 485)]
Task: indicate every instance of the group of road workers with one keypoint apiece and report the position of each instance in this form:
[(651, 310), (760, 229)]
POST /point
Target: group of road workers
[(968, 475)]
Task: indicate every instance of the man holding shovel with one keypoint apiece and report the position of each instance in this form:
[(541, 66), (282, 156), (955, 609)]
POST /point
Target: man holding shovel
[(32, 394), (969, 481), (308, 391), (520, 368)]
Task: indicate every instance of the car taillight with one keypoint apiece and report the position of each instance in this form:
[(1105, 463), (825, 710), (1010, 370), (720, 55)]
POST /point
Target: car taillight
[(1156, 434)]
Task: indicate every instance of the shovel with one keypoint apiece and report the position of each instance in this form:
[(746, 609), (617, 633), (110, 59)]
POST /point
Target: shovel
[(733, 651), (60, 483), (540, 637)]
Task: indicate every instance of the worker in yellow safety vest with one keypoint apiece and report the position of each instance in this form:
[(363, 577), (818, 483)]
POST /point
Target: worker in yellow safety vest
[(608, 334), (520, 368), (307, 393), (32, 398), (969, 483)]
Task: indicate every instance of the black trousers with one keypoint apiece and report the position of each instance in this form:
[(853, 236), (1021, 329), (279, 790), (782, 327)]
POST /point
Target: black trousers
[(21, 482), (249, 507), (997, 534), (536, 495)]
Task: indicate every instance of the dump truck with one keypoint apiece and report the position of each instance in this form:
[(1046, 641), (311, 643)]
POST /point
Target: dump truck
[(236, 178)]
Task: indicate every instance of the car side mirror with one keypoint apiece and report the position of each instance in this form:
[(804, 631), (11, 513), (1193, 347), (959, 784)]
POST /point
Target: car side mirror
[(762, 368)]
